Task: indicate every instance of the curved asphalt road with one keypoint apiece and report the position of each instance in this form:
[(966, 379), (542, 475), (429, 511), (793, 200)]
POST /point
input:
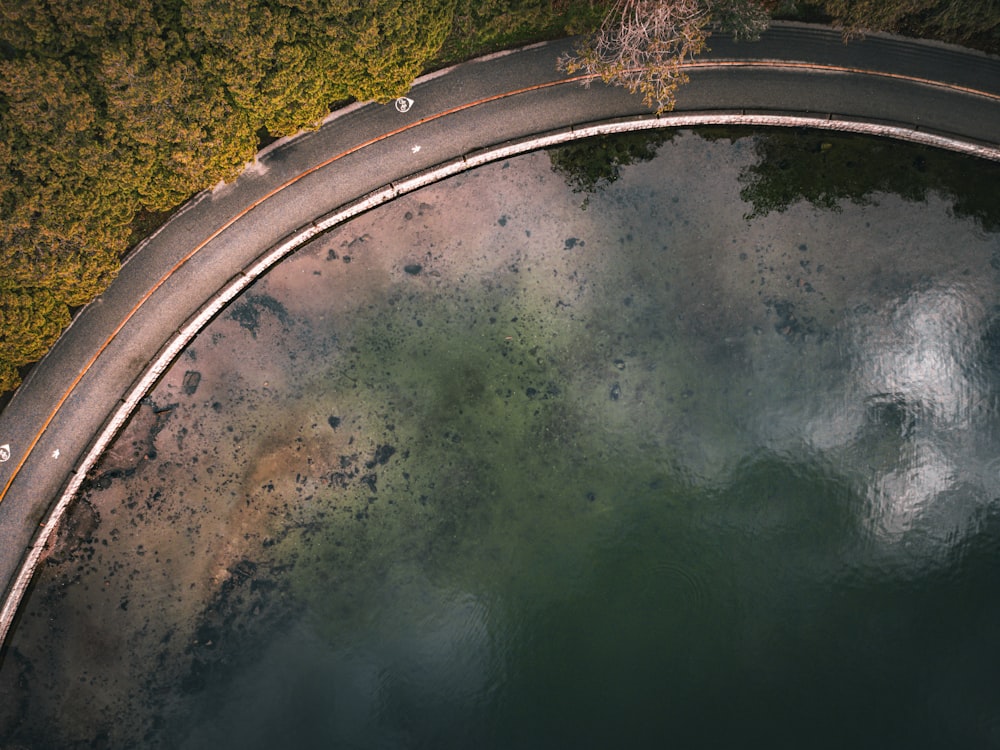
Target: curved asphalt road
[(73, 402)]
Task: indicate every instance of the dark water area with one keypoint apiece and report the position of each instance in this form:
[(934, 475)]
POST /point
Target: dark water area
[(702, 628), (505, 465)]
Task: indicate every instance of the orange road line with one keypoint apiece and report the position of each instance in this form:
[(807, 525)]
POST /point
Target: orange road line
[(459, 108), (840, 69)]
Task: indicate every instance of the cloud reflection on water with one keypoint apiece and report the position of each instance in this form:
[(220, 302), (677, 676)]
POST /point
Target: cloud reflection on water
[(915, 414)]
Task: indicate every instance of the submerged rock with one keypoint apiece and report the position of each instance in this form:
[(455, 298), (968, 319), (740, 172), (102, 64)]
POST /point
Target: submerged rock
[(191, 380)]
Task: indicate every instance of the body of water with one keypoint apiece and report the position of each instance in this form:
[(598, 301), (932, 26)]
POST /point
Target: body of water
[(505, 465)]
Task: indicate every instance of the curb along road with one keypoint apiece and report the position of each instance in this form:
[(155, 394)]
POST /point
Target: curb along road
[(76, 399)]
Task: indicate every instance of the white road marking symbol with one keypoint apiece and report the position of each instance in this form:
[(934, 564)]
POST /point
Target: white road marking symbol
[(4, 452), (403, 104), (415, 149), (55, 453)]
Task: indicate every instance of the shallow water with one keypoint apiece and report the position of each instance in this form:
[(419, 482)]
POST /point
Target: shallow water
[(494, 466)]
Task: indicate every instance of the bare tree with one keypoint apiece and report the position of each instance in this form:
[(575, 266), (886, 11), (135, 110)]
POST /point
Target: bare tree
[(644, 44)]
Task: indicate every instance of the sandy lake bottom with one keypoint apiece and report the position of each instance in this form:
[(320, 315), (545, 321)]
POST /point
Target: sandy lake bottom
[(494, 466)]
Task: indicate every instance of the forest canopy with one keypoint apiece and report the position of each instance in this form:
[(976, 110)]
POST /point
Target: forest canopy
[(115, 111)]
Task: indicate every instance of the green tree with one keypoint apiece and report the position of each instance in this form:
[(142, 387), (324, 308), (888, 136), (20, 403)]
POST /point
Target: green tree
[(267, 57), (176, 132), (744, 19), (63, 226), (961, 21), (38, 318), (873, 15), (284, 63), (484, 25), (383, 45)]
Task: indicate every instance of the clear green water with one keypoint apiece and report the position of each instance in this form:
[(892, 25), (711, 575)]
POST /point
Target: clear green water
[(640, 472)]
